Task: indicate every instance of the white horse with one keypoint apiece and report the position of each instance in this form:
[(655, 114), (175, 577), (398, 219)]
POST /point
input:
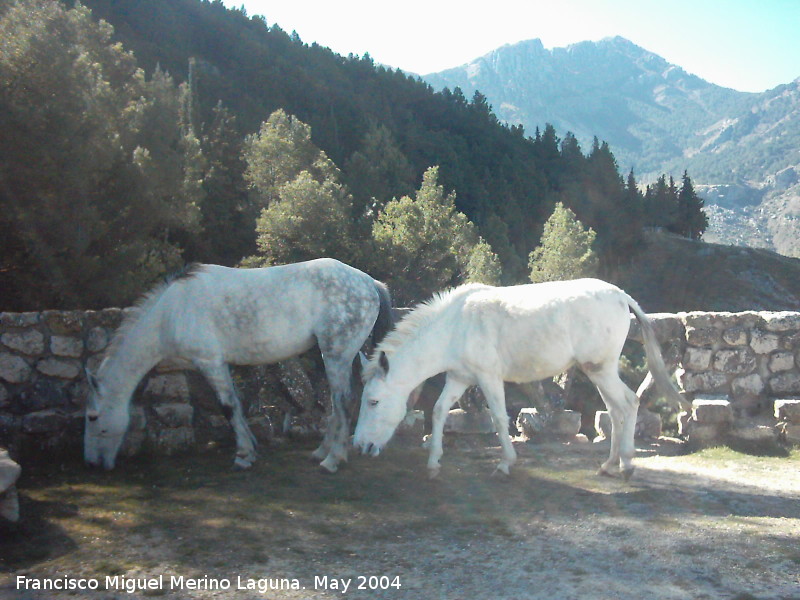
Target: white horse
[(213, 316), (485, 335)]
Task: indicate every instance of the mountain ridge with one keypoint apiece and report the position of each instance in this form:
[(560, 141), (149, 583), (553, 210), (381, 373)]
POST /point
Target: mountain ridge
[(657, 118)]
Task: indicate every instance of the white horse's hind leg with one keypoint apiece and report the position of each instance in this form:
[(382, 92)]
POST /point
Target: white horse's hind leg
[(452, 391), (623, 406), (496, 397), (219, 377)]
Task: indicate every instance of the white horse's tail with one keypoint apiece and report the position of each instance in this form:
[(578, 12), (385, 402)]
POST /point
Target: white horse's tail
[(655, 363)]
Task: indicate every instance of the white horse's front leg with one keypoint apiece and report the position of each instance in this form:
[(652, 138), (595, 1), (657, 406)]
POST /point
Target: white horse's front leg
[(495, 395), (452, 391)]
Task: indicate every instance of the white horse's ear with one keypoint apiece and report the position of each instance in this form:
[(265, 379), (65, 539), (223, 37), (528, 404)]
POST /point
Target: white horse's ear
[(363, 360), (91, 379), (383, 362)]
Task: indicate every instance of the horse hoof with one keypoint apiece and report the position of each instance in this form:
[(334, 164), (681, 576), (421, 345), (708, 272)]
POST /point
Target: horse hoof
[(501, 468), (330, 464), (603, 473), (426, 441), (241, 463), (626, 474), (319, 453), (433, 472)]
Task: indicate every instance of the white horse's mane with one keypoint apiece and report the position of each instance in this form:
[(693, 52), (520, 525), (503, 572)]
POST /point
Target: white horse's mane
[(412, 323)]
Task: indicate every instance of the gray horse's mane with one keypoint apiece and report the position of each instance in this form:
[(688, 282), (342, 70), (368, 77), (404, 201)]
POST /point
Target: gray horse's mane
[(415, 321), (146, 302)]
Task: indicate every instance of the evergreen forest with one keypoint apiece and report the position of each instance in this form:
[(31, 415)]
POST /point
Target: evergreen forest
[(139, 136)]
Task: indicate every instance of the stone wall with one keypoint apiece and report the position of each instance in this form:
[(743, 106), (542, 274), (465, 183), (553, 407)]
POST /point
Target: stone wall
[(43, 391), (751, 358)]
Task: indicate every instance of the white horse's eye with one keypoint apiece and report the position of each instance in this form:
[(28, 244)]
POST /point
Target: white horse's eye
[(373, 402)]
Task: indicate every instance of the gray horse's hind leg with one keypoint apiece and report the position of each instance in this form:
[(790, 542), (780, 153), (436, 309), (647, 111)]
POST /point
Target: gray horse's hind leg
[(219, 377)]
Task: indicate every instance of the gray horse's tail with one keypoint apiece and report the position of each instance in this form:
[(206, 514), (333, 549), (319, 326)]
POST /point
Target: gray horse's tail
[(385, 321), (655, 363)]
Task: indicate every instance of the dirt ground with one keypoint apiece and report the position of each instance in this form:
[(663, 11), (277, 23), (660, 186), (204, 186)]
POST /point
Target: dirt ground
[(715, 524)]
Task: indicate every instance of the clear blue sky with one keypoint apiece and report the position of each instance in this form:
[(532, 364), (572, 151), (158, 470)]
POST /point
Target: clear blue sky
[(748, 45)]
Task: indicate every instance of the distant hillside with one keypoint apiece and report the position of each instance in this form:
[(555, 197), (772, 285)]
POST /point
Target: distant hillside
[(658, 118), (675, 274)]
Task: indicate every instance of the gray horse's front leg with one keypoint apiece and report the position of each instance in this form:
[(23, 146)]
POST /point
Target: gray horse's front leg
[(334, 444), (219, 376)]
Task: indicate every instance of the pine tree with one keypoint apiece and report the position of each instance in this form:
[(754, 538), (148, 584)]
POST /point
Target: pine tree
[(423, 244), (692, 220), (565, 251)]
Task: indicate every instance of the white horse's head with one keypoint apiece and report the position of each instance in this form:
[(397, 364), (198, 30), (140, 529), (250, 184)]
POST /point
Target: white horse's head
[(107, 420), (383, 407)]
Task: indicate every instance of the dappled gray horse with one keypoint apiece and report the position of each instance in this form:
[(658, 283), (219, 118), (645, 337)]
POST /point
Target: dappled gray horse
[(214, 316)]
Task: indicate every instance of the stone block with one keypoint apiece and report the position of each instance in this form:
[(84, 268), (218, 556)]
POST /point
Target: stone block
[(97, 340), (781, 321), (108, 318), (565, 423), (735, 336), (790, 433), (63, 368), (172, 441), (24, 319), (785, 383), (138, 418), (763, 342), (736, 362), (602, 424), (174, 414), (168, 386), (648, 425), (44, 421), (9, 427), (133, 442), (706, 337), (752, 433), (708, 382), (787, 409), (70, 347), (42, 394), (749, 385), (461, 421), (711, 410), (29, 342), (63, 322), (781, 361), (697, 359), (701, 435), (14, 369), (532, 423), (297, 383)]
